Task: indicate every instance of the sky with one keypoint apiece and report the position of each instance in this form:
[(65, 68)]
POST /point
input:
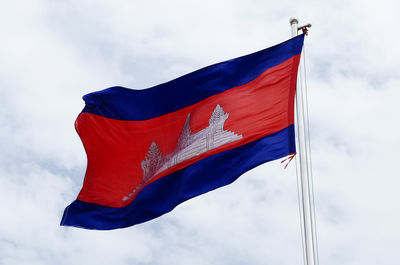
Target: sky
[(54, 52)]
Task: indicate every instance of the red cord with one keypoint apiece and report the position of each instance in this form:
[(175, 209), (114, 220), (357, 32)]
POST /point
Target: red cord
[(290, 158)]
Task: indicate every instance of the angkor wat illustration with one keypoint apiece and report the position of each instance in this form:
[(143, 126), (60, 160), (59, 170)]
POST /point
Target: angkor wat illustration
[(189, 145)]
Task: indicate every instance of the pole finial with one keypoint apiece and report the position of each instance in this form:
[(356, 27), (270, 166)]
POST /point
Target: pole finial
[(293, 20)]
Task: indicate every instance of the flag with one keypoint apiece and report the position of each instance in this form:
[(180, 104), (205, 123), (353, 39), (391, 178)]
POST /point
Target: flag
[(150, 150)]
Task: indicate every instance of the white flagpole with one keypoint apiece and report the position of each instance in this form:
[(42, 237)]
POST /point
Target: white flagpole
[(303, 165)]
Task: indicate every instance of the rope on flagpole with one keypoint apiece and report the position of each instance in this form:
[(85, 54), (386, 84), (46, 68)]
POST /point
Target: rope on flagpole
[(308, 135), (299, 184)]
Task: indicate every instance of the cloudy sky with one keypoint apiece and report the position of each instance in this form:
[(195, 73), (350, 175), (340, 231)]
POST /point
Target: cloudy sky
[(53, 52)]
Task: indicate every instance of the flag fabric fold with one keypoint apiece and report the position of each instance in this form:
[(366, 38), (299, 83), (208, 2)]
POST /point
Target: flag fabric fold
[(150, 150)]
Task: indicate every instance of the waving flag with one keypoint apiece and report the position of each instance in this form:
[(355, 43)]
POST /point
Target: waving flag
[(149, 150)]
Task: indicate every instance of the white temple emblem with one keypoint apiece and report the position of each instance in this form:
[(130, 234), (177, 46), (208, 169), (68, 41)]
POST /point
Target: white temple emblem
[(189, 145)]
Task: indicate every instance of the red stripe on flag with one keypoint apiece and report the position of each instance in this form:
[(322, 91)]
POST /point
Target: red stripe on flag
[(116, 148)]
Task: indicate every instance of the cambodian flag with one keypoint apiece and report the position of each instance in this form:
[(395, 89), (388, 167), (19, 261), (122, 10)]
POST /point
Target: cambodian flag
[(149, 150)]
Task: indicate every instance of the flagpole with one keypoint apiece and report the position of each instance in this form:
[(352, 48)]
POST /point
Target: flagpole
[(307, 216)]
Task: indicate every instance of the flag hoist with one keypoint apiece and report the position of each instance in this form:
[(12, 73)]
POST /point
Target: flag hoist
[(303, 161)]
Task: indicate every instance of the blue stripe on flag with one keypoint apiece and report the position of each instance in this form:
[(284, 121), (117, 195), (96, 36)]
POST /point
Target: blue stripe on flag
[(116, 102), (166, 193)]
